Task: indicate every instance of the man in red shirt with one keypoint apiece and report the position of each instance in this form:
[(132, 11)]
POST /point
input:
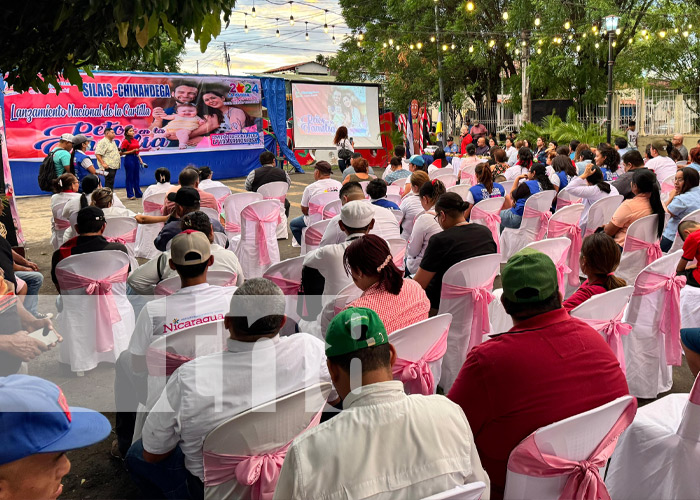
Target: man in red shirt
[(546, 368), (465, 139), (688, 231)]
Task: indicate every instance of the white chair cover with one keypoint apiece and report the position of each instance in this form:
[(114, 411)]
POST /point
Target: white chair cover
[(211, 213), (514, 240), (364, 185), (466, 294), (573, 440), (635, 258), (219, 192), (277, 191), (398, 214), (601, 212), (396, 198), (460, 189), (233, 206), (287, 275), (441, 172), (507, 185), (123, 230), (316, 204), (420, 347), (487, 213), (471, 491), (556, 249), (667, 186), (146, 233), (564, 199), (78, 320), (500, 320), (311, 236), (565, 223), (397, 247), (394, 189), (258, 246), (333, 307), (264, 432), (58, 226), (218, 278), (467, 174), (658, 455), (648, 372), (332, 209), (677, 241)]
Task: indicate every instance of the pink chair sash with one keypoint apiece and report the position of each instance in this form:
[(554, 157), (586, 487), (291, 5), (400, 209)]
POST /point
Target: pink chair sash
[(163, 363), (562, 270), (261, 472), (329, 214), (261, 236), (670, 320), (150, 206), (613, 330), (463, 174), (653, 249), (125, 238), (417, 375), (315, 208), (667, 188), (561, 202), (220, 202), (61, 224), (106, 312), (493, 222), (399, 257), (288, 287), (584, 481), (232, 227), (544, 217), (312, 237), (481, 298), (573, 232)]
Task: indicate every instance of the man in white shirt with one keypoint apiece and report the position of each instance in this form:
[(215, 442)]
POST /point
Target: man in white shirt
[(144, 278), (322, 184), (205, 179), (384, 444), (259, 366), (660, 163), (196, 302), (385, 223), (108, 157)]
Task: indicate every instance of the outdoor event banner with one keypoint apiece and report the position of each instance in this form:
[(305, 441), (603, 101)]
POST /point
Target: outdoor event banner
[(320, 109), (171, 114)]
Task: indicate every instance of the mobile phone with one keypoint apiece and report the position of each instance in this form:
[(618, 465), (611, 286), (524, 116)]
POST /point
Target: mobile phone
[(46, 335)]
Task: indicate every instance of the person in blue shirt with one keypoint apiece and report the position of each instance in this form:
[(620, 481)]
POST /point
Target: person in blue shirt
[(81, 162), (451, 146), (564, 171), (608, 159), (621, 146), (684, 199), (376, 189), (535, 181), (572, 147), (485, 188)]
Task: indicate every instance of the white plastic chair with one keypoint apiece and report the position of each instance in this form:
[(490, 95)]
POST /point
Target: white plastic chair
[(507, 186), (500, 320), (441, 172), (514, 240), (460, 189), (556, 249), (287, 275), (394, 189), (648, 370), (601, 212), (467, 174), (427, 341), (487, 213), (146, 233), (233, 206), (219, 192), (565, 223), (573, 439), (397, 247), (469, 309), (657, 456), (677, 241), (79, 321), (332, 209), (277, 191), (123, 230), (311, 236), (316, 204), (471, 491), (59, 226), (446, 176), (263, 431), (258, 247), (604, 313), (564, 199), (171, 285), (634, 260)]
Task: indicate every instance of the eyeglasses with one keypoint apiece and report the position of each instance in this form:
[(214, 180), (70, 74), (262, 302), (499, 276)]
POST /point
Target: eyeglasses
[(437, 217)]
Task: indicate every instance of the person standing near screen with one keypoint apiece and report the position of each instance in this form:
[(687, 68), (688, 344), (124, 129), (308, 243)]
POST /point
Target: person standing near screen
[(343, 144)]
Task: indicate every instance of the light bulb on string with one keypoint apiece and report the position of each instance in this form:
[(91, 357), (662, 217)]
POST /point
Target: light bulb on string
[(571, 37), (618, 31), (291, 14), (690, 26), (411, 46), (631, 40), (398, 47), (307, 32), (597, 45), (662, 34), (539, 50), (540, 41), (567, 25), (325, 21), (505, 15), (643, 32), (384, 45), (452, 46), (492, 42), (578, 48), (614, 44), (419, 45), (444, 47), (277, 22), (507, 45), (245, 28), (361, 36), (517, 52), (333, 26), (538, 21), (685, 34), (471, 49), (584, 35), (523, 43), (253, 10), (359, 43), (391, 41), (432, 39), (675, 30), (470, 6)]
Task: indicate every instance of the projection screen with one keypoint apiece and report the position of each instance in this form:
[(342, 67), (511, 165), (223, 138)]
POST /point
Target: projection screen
[(320, 109)]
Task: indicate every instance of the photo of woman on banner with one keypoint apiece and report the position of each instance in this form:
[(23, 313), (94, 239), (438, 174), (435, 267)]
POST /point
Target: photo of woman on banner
[(222, 117)]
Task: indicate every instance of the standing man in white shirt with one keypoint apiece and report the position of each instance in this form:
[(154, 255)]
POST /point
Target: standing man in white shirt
[(385, 223), (384, 444), (108, 157), (196, 302), (660, 163), (259, 366), (322, 184)]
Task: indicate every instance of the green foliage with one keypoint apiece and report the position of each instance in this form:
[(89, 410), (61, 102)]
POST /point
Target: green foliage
[(161, 54), (393, 135), (553, 128), (56, 40)]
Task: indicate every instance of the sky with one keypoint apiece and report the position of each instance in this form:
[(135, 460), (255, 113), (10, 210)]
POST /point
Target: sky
[(259, 49)]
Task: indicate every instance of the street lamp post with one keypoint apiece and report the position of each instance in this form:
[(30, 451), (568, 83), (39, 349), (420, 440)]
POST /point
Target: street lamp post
[(440, 85), (611, 23)]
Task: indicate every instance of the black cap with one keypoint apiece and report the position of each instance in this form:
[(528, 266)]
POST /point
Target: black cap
[(90, 219), (186, 196)]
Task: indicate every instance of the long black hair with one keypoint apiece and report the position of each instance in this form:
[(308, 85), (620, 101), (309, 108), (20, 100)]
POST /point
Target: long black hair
[(89, 184), (540, 172), (562, 163), (371, 255), (484, 176), (645, 180), (597, 179), (611, 157)]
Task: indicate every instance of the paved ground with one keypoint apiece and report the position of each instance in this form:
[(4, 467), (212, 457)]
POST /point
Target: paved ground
[(95, 474)]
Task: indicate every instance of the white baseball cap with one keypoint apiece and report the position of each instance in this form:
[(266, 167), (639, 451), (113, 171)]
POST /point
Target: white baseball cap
[(357, 214), (67, 137)]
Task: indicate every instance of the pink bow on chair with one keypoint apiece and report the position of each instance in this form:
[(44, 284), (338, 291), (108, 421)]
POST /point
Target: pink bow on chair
[(315, 208), (261, 237), (125, 238), (288, 287), (493, 222), (163, 363), (562, 270), (573, 232), (613, 330), (561, 202), (312, 237), (544, 217), (150, 206), (469, 176), (481, 298), (61, 224), (232, 227), (653, 249), (261, 472), (106, 312), (670, 320), (417, 375), (584, 481)]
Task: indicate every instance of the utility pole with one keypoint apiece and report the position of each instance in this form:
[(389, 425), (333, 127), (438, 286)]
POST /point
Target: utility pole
[(443, 109), (525, 85), (197, 66), (228, 60)]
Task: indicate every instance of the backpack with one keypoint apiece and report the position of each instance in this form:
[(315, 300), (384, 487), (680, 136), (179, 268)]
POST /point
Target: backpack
[(344, 153), (47, 173)]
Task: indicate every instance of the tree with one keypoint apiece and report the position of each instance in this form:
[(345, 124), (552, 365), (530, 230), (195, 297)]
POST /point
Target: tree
[(168, 60), (41, 42)]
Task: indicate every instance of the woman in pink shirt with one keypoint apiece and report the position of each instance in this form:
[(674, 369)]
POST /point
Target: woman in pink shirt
[(399, 302)]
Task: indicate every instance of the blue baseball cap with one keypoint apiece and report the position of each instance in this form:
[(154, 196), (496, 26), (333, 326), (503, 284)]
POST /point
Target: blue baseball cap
[(35, 418), (417, 160)]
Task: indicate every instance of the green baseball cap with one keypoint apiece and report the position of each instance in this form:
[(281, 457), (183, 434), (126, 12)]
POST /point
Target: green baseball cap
[(529, 276), (354, 329)]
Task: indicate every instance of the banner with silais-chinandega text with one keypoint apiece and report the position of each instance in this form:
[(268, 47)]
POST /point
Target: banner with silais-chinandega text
[(177, 114)]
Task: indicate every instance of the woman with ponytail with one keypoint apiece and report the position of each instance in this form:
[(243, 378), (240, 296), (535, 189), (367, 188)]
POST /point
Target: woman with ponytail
[(590, 187), (399, 302), (600, 256), (522, 166), (65, 189), (646, 201), (485, 188), (533, 182), (425, 225), (459, 240)]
